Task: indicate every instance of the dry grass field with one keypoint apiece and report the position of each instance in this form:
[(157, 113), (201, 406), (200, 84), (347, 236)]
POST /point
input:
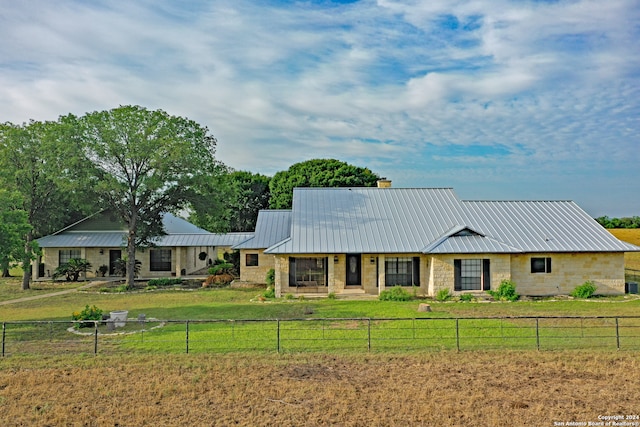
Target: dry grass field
[(445, 389), (632, 235)]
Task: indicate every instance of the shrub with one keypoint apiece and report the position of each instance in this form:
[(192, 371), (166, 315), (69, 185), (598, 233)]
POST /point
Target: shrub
[(219, 280), (506, 291), (270, 279), (89, 313), (289, 296), (165, 281), (72, 269), (270, 292), (120, 267), (466, 297), (331, 295), (102, 270), (443, 295), (397, 293), (220, 268), (585, 290)]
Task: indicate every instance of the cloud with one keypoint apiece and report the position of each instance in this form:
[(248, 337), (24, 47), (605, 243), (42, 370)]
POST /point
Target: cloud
[(521, 96)]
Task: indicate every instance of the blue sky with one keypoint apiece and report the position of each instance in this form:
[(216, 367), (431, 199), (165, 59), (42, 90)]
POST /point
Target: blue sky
[(497, 99)]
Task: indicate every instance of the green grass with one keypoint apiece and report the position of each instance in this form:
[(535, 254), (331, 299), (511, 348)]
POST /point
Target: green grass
[(11, 288), (352, 330)]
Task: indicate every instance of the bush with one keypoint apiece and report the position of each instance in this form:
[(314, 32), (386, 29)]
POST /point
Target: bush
[(218, 281), (221, 267), (270, 292), (89, 313), (331, 295), (165, 281), (72, 269), (270, 279), (506, 291), (466, 298), (397, 293), (585, 290), (443, 295)]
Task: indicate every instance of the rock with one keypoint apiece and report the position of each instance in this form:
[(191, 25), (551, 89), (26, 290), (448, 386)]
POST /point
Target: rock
[(424, 307)]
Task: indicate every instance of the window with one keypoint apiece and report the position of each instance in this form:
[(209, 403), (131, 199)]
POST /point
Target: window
[(403, 271), (251, 260), (308, 271), (541, 265), (64, 255), (472, 274), (160, 260)]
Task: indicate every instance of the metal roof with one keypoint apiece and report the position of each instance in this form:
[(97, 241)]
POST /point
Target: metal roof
[(543, 226), (179, 233), (426, 220), (272, 227), (369, 220)]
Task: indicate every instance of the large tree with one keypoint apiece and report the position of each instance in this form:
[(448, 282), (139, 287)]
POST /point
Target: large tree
[(317, 173), (38, 162), (14, 225), (145, 164), (230, 201)]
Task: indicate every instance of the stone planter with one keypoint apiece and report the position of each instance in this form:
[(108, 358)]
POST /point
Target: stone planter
[(119, 317)]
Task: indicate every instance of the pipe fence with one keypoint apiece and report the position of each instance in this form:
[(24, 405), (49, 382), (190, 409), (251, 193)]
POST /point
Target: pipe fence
[(320, 335)]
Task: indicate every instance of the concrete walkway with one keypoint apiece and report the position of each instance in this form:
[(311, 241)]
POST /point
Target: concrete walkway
[(52, 294)]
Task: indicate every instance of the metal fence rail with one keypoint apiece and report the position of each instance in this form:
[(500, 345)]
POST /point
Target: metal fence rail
[(321, 335)]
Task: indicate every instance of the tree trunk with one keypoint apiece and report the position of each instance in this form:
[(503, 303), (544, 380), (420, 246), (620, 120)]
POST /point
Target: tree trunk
[(5, 272), (26, 263), (131, 252)]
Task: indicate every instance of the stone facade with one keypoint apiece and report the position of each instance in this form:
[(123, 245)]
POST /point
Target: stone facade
[(183, 260), (569, 270), (255, 274)]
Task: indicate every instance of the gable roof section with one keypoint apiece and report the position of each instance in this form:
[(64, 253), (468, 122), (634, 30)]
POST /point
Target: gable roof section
[(105, 230), (273, 226), (364, 219), (543, 226), (434, 220)]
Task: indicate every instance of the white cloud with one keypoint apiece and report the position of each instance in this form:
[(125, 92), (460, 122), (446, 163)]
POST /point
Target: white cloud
[(485, 94)]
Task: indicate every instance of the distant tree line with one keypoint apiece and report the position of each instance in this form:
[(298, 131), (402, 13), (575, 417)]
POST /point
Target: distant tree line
[(626, 222)]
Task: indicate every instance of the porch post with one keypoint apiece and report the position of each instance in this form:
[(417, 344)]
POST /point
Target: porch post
[(331, 286), (178, 251), (381, 273)]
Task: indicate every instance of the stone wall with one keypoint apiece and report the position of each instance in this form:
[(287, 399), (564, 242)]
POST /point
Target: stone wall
[(255, 274)]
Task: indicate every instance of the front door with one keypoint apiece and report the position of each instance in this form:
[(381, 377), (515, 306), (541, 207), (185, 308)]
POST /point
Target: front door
[(114, 256), (353, 270)]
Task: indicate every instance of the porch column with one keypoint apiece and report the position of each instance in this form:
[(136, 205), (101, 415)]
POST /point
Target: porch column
[(381, 274), (178, 251), (331, 286)]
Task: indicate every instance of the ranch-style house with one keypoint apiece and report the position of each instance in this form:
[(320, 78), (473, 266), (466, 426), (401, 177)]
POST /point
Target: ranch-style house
[(101, 239), (363, 240)]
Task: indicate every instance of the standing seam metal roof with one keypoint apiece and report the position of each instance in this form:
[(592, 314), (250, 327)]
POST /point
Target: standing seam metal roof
[(414, 220)]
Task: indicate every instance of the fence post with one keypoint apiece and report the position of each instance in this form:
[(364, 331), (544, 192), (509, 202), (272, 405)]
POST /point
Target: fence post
[(4, 327), (187, 337), (617, 335), (537, 334), (50, 331), (457, 335), (278, 335), (95, 337), (369, 334)]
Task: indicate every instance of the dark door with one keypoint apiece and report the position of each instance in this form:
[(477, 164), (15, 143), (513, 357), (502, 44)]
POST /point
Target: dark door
[(114, 256), (353, 269)]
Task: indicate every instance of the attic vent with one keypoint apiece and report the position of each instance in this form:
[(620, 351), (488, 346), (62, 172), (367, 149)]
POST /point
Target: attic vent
[(465, 232)]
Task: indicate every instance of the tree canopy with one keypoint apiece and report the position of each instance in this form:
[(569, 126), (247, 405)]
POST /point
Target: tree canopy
[(38, 162), (229, 201), (317, 173), (625, 222), (14, 225), (145, 163)]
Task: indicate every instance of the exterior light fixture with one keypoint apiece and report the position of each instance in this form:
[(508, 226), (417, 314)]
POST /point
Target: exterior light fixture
[(335, 259), (372, 260)]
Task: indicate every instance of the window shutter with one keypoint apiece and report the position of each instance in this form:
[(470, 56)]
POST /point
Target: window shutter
[(292, 271), (548, 265), (457, 273), (416, 270), (486, 274)]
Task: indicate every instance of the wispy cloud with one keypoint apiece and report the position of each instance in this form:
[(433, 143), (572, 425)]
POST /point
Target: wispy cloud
[(500, 99)]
